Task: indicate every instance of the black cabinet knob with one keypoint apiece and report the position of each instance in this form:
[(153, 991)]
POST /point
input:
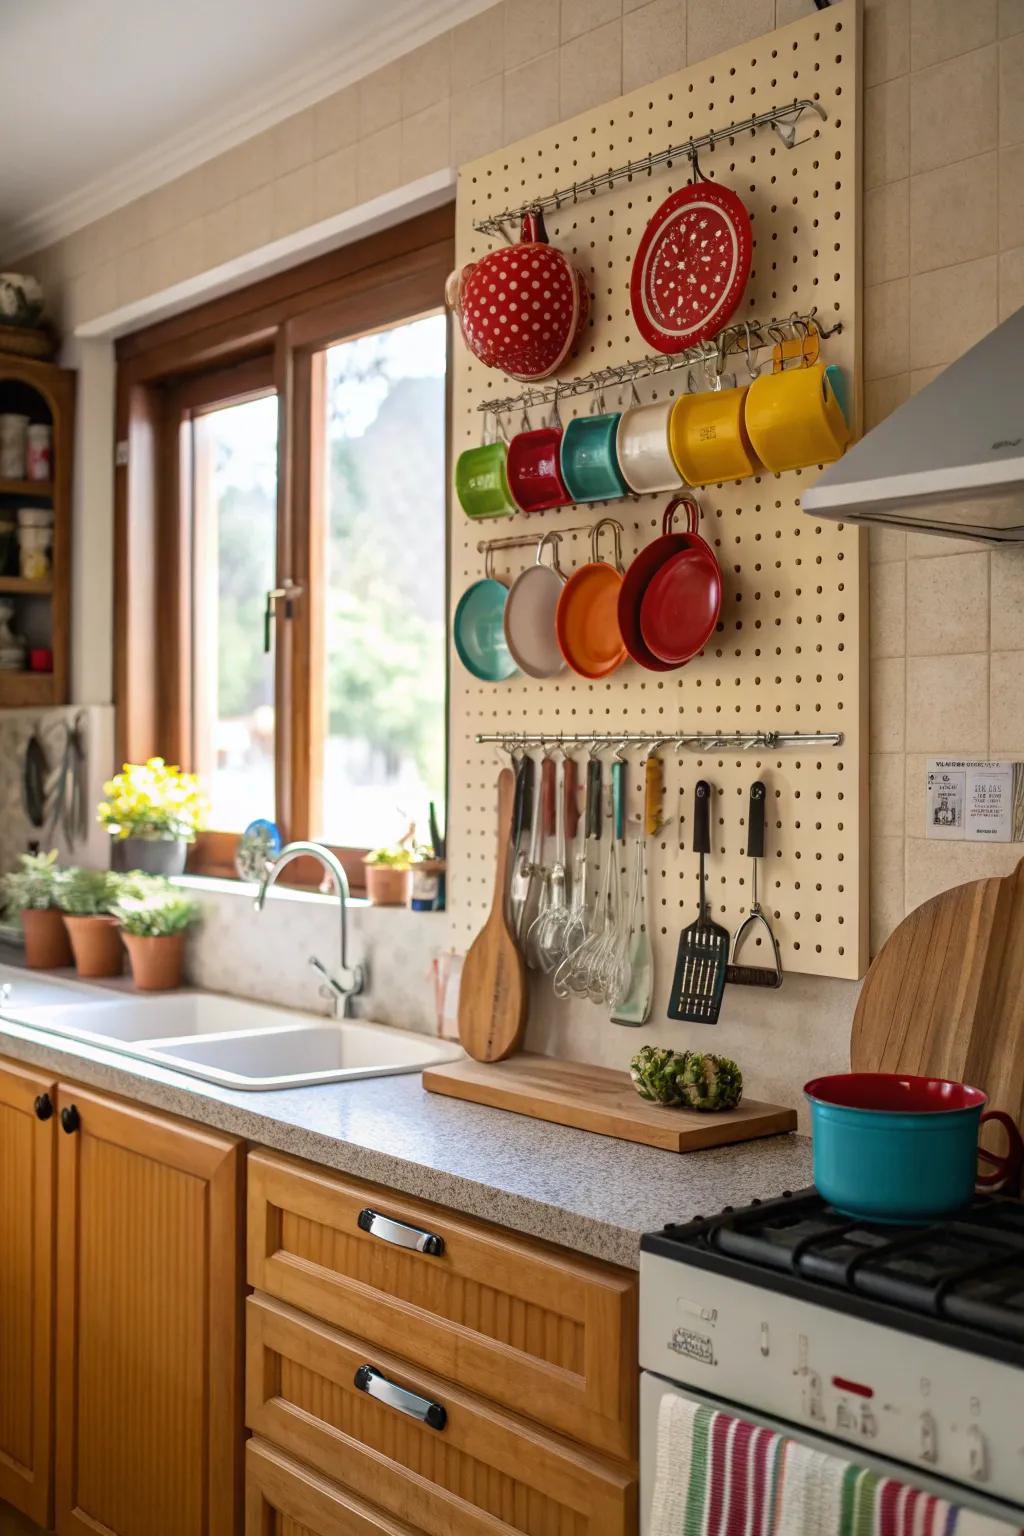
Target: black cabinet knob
[(43, 1107), (70, 1119)]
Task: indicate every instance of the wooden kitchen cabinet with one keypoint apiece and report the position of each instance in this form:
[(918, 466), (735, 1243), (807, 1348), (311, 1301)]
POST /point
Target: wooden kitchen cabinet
[(148, 1337), (284, 1498), (27, 1127)]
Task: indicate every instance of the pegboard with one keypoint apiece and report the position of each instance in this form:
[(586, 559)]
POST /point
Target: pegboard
[(789, 651)]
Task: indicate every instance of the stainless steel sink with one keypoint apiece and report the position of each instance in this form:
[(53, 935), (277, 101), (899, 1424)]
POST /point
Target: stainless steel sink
[(225, 1040)]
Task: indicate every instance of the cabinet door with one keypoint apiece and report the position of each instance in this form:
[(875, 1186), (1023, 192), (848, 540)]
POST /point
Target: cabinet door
[(284, 1498), (26, 1289), (149, 1427)]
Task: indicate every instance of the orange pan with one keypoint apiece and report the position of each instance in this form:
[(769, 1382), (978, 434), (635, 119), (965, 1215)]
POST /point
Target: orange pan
[(587, 616)]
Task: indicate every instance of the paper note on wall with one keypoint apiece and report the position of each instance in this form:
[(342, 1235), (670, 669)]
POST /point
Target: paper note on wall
[(975, 802)]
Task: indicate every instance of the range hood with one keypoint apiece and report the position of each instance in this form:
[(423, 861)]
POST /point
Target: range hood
[(950, 460)]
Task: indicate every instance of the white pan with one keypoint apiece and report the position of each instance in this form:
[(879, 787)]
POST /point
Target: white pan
[(530, 614)]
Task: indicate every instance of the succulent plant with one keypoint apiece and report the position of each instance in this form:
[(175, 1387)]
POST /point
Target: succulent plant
[(711, 1082), (34, 885), (88, 892), (657, 1073)]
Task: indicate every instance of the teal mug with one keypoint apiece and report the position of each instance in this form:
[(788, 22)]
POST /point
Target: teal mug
[(589, 462), (481, 481)]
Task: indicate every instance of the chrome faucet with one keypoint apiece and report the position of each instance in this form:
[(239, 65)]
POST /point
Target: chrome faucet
[(350, 980)]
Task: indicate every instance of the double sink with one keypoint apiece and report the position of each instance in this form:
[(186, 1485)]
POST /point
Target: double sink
[(224, 1040)]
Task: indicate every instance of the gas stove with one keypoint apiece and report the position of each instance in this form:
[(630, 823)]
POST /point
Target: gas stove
[(907, 1342)]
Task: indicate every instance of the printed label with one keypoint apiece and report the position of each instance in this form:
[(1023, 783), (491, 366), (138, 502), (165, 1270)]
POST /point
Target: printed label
[(695, 1346)]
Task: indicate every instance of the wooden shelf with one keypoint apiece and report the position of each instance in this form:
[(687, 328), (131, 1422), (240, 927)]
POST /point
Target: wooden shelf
[(27, 690), (37, 488), (23, 586)]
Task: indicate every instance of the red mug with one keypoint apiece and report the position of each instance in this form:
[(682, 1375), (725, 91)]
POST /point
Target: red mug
[(534, 473)]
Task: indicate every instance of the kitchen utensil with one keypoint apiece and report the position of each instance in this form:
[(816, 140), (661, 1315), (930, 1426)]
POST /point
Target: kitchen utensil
[(794, 418), (573, 975), (492, 994), (534, 470), (755, 975), (33, 782), (699, 978), (537, 890), (680, 607), (708, 437), (522, 828), (481, 481), (691, 266), (608, 972), (530, 614), (642, 448), (479, 629), (637, 578), (586, 619), (945, 994), (893, 1147), (68, 811), (589, 464), (576, 924), (633, 1004), (521, 308), (549, 938)]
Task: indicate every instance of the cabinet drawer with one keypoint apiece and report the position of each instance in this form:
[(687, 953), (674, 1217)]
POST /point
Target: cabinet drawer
[(545, 1333), (428, 1453), (283, 1498)]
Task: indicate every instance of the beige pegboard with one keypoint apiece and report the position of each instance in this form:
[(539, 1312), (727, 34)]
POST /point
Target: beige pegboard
[(789, 653)]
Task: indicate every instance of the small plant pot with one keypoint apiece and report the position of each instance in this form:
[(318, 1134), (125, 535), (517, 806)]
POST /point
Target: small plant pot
[(153, 855), (387, 886), (96, 942), (157, 963), (47, 946)]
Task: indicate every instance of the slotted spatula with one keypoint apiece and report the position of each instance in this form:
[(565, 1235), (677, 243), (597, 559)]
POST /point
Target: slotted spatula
[(699, 981)]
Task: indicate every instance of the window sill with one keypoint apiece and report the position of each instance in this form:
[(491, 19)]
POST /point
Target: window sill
[(216, 885)]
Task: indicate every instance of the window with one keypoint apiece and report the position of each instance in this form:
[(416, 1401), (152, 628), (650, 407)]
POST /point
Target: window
[(282, 542)]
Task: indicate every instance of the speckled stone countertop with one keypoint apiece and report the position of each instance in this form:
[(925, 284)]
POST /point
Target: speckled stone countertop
[(590, 1193)]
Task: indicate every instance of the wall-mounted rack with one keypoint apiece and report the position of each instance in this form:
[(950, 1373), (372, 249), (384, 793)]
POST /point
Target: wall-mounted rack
[(745, 337), (782, 119), (724, 741), (523, 540)]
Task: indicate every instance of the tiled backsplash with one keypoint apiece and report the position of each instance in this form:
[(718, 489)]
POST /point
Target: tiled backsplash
[(17, 834)]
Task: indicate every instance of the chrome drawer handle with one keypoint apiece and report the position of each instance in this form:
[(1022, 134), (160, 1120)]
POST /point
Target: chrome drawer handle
[(375, 1385), (400, 1233)]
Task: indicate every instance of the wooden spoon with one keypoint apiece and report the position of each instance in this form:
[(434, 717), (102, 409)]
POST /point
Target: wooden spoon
[(492, 994)]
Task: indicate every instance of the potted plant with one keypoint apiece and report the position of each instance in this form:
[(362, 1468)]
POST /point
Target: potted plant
[(32, 890), (389, 877), (87, 898), (153, 812), (154, 921)]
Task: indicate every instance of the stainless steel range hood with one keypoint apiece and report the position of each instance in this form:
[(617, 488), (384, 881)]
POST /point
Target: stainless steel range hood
[(949, 461)]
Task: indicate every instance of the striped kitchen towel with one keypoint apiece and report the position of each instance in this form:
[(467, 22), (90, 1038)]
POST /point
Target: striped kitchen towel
[(720, 1476)]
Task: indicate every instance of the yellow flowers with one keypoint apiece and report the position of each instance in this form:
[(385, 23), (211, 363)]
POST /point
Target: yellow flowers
[(155, 800)]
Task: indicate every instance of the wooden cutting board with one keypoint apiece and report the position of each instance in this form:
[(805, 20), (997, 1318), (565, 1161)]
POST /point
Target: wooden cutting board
[(600, 1099), (945, 994)]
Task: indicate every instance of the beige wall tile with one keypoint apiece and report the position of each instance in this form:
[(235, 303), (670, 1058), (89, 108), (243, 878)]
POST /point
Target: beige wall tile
[(291, 143), (1011, 197), (426, 75), (334, 183), (220, 234), (249, 166), (1007, 598), (291, 202), (947, 704), (531, 97), (478, 120), (882, 396), (933, 866), (379, 99), (1011, 17), (886, 544), (335, 122), (950, 310), (91, 295), (590, 69), (1011, 281), (921, 377), (887, 232), (932, 546), (378, 162), (789, 10), (887, 794), (254, 219), (427, 141), (1006, 728), (887, 609), (941, 132), (887, 132), (711, 28), (888, 684), (938, 237), (887, 329), (531, 29), (916, 793), (478, 48), (939, 29), (887, 894), (653, 42), (886, 39), (580, 16), (947, 605), (1011, 90), (129, 282)]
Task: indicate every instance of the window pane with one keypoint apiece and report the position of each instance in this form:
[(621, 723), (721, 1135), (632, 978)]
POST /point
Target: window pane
[(384, 628), (235, 559)]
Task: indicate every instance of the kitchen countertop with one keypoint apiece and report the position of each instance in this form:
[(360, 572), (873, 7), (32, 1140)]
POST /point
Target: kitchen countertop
[(590, 1193)]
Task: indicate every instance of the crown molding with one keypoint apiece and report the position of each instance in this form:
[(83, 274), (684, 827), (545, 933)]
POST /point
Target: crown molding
[(408, 26)]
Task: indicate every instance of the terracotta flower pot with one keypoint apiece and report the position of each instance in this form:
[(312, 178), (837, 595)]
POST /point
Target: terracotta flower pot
[(387, 886), (157, 963), (47, 947), (96, 942)]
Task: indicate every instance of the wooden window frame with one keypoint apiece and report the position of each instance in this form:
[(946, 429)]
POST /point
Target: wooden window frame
[(272, 334)]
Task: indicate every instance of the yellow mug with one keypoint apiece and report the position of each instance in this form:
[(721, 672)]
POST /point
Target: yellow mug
[(794, 419), (708, 439)]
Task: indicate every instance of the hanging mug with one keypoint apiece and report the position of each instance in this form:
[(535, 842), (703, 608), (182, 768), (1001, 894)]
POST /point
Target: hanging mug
[(590, 465), (481, 476), (534, 467)]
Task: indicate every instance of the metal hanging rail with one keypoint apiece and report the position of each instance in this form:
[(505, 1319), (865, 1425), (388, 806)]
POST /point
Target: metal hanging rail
[(783, 119), (519, 741), (522, 540), (745, 337)]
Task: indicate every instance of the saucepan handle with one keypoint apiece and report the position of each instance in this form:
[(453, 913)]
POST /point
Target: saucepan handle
[(692, 514), (1006, 1167)]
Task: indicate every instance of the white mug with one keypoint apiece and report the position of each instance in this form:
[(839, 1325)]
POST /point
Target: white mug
[(641, 445)]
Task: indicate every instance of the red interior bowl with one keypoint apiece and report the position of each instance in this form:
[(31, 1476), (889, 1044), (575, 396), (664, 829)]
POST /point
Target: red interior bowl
[(895, 1092)]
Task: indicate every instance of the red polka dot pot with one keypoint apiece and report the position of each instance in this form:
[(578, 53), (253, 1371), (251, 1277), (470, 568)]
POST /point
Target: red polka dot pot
[(522, 309)]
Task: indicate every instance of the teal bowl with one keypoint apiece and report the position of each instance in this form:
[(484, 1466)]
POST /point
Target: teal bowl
[(479, 631), (589, 461), (894, 1148)]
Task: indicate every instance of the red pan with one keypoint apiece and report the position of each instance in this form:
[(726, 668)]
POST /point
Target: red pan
[(680, 608), (691, 266), (637, 579)]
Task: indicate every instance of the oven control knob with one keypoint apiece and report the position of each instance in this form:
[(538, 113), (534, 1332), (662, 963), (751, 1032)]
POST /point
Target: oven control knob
[(929, 1438), (868, 1422), (977, 1454)]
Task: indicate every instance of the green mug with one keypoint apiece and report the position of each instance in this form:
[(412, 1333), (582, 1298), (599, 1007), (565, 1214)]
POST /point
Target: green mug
[(481, 481)]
